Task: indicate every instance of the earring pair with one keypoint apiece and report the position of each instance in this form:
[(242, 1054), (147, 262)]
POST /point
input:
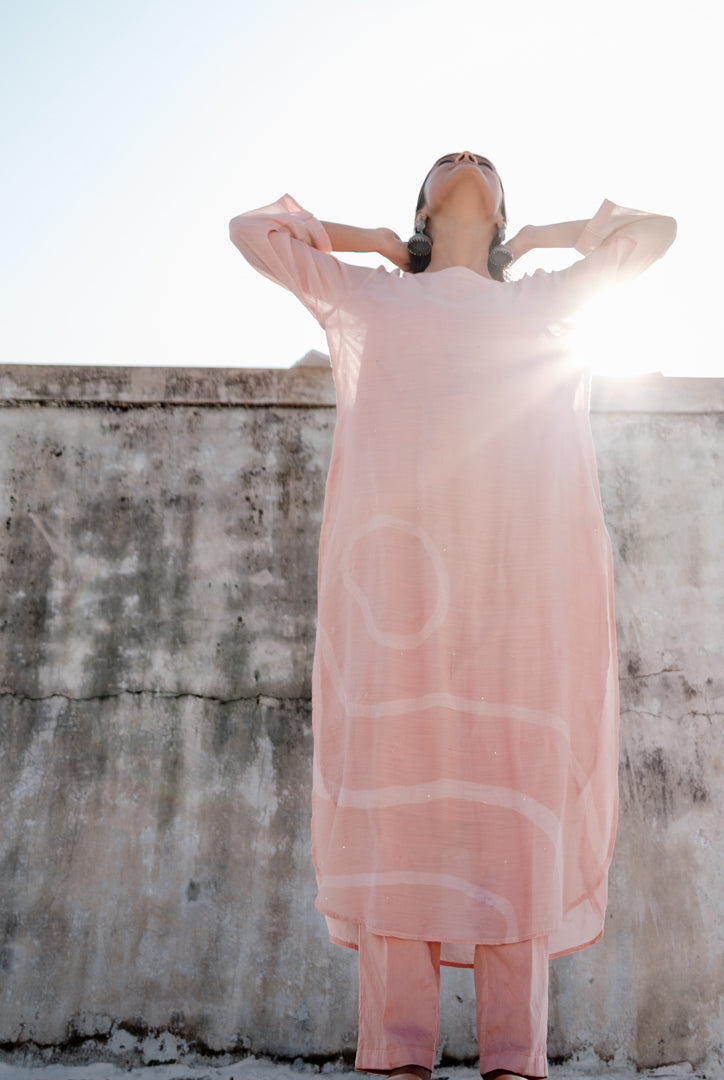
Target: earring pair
[(419, 247)]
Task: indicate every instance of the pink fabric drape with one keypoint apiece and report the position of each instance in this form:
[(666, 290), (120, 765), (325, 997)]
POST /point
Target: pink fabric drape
[(465, 681)]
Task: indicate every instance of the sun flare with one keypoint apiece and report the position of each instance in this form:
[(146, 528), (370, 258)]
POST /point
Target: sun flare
[(635, 330)]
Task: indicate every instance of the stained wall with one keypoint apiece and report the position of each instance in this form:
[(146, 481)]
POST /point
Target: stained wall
[(158, 549)]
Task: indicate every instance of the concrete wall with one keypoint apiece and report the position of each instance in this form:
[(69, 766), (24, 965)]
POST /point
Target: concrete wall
[(159, 535)]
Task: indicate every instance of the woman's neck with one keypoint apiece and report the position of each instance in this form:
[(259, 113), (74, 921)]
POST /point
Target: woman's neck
[(461, 241), (462, 230)]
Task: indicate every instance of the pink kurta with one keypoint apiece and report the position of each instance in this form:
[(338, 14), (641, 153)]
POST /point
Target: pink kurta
[(465, 681)]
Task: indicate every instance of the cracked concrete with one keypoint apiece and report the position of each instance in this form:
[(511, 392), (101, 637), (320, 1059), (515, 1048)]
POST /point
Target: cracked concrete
[(648, 674), (173, 694), (156, 629)]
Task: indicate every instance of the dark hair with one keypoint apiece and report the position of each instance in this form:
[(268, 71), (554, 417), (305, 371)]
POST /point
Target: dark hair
[(418, 263)]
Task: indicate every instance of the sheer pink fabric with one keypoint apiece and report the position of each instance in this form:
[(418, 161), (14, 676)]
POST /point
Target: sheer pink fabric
[(465, 683)]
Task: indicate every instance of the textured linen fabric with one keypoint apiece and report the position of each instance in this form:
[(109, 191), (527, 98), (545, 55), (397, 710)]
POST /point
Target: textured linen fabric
[(465, 680)]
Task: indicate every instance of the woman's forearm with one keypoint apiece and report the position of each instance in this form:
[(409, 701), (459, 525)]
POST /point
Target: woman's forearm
[(351, 237), (563, 234), (384, 241)]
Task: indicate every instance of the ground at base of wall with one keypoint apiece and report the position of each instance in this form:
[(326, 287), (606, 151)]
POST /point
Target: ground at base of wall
[(264, 1069)]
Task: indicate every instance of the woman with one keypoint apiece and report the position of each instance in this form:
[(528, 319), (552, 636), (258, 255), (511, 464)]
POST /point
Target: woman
[(464, 685)]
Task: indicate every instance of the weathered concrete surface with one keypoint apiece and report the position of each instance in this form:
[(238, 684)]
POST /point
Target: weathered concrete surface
[(656, 983), (264, 1069), (159, 561)]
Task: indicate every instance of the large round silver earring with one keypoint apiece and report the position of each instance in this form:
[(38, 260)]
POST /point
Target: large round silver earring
[(501, 256), (420, 244), (419, 247)]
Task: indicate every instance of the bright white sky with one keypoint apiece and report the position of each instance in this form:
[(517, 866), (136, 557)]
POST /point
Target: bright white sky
[(133, 131)]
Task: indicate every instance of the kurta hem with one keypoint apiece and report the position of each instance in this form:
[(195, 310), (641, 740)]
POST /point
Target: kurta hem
[(346, 943)]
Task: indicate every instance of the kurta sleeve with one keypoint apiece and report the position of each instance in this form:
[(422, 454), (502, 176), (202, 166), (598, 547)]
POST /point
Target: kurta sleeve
[(291, 247), (618, 244)]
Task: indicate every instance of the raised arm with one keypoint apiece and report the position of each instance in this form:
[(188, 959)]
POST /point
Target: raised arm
[(641, 237), (353, 238), (564, 234), (618, 243), (291, 247)]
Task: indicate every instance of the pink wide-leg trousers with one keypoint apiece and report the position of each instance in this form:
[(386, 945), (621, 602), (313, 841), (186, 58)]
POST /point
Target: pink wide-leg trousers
[(399, 1004)]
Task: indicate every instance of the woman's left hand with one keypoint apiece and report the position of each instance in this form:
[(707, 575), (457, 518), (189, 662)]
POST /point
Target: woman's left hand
[(522, 242)]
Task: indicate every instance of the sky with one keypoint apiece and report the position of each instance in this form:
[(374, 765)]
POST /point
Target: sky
[(133, 131)]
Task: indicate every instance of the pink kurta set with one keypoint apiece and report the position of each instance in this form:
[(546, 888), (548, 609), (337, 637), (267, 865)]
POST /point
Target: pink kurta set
[(465, 680)]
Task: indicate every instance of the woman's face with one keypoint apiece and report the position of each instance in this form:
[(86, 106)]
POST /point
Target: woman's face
[(464, 169)]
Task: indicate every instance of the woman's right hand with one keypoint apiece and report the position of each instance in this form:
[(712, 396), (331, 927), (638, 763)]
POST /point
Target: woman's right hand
[(391, 247)]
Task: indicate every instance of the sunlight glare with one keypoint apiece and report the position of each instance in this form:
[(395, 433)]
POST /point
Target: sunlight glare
[(625, 332)]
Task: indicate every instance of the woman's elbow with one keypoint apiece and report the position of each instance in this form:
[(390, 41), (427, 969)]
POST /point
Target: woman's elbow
[(668, 230), (657, 233), (235, 228)]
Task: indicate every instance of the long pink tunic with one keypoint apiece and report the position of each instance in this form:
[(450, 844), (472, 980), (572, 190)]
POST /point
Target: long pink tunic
[(465, 681)]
